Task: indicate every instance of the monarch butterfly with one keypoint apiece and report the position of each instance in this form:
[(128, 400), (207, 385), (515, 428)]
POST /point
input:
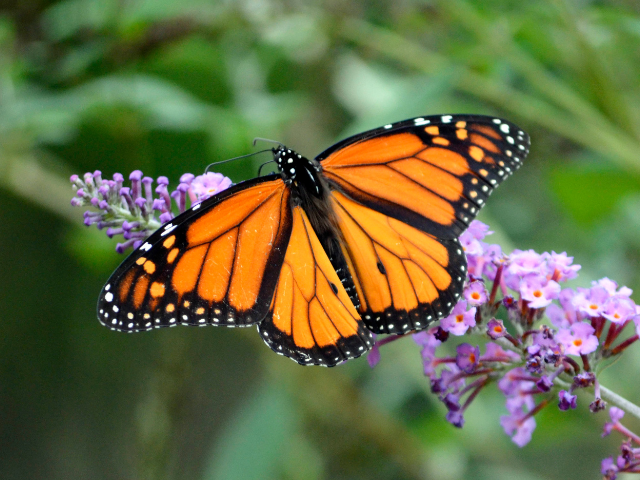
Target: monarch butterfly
[(361, 239)]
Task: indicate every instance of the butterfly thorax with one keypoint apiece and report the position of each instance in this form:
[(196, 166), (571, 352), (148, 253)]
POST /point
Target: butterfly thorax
[(300, 173)]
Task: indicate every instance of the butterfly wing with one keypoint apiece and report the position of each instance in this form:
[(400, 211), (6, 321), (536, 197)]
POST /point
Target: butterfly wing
[(405, 278), (215, 264), (433, 173), (403, 193), (311, 318)]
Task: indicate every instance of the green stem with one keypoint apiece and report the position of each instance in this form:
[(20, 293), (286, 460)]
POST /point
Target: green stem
[(621, 402)]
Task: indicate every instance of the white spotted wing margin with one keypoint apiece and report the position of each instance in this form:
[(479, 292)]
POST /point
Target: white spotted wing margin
[(312, 319)]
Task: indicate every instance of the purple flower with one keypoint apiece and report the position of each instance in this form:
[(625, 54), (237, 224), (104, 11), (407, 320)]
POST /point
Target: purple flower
[(517, 387), (519, 427), (427, 340), (609, 469), (467, 357), (591, 301), (496, 329), (618, 309), (567, 400), (522, 263), (559, 266), (209, 184), (475, 293), (616, 415), (494, 352), (460, 320), (478, 230), (538, 291), (455, 418), (470, 238), (612, 287), (578, 339)]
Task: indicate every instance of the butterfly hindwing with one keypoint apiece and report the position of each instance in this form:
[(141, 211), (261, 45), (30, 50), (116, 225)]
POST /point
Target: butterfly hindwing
[(433, 173), (405, 278), (311, 319), (216, 264)]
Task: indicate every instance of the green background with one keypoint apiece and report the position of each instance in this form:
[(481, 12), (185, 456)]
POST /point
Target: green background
[(168, 86)]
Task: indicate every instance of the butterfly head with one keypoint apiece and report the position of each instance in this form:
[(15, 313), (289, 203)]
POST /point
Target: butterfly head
[(297, 171)]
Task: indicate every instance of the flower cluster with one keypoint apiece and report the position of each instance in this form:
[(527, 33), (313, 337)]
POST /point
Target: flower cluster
[(135, 212), (629, 458), (534, 363)]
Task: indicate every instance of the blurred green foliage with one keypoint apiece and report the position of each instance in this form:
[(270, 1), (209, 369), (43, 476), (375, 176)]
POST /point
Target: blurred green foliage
[(168, 87)]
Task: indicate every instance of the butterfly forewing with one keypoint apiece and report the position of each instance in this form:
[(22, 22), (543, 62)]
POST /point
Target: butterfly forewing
[(433, 173), (213, 265), (311, 319)]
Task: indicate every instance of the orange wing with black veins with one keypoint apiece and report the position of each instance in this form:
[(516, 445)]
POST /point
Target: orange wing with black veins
[(433, 173), (216, 264), (311, 319)]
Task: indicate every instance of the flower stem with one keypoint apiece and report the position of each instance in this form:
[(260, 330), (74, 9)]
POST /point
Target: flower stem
[(623, 403)]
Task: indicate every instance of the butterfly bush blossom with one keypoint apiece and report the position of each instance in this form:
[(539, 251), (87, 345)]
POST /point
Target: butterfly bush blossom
[(534, 363), (135, 212)]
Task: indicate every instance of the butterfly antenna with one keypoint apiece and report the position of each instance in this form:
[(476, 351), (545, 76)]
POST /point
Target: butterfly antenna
[(255, 140), (265, 163), (234, 158)]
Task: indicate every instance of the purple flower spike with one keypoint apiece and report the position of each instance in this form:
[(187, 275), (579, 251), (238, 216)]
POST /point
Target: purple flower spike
[(567, 401), (467, 357), (130, 211)]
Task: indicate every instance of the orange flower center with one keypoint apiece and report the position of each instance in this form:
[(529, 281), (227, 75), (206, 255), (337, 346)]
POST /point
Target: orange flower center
[(475, 295), (459, 318), (577, 342), (537, 294), (593, 307), (497, 329)]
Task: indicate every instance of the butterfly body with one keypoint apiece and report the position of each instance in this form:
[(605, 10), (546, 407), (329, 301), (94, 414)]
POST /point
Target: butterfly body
[(361, 239)]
